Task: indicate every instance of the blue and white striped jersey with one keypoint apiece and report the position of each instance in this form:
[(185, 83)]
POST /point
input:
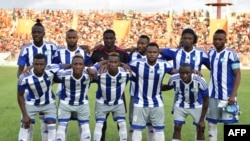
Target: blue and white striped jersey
[(132, 57), (111, 88), (38, 89), (148, 82), (29, 50), (74, 91), (65, 56), (189, 95), (222, 76), (196, 58)]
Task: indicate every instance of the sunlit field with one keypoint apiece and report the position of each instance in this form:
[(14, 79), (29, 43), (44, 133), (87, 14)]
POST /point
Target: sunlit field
[(10, 112)]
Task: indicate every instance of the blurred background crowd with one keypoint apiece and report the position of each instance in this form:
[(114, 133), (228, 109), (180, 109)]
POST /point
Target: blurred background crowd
[(164, 28)]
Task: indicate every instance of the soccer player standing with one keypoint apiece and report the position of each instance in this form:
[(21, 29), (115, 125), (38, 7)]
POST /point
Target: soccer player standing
[(187, 53), (64, 55), (26, 56), (139, 53), (109, 96), (224, 83), (148, 104), (102, 53)]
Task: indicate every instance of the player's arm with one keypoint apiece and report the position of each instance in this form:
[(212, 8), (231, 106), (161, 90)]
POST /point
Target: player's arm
[(166, 87), (20, 70), (237, 75), (21, 102), (201, 123)]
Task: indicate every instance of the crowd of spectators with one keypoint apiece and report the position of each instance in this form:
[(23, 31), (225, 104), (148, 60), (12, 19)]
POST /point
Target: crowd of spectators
[(165, 28)]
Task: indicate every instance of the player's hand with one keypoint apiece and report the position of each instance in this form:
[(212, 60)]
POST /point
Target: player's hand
[(198, 73), (200, 130), (92, 73), (27, 70), (26, 121), (231, 100), (201, 126), (86, 48), (103, 68), (126, 67)]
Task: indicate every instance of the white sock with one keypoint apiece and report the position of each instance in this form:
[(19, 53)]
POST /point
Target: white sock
[(61, 131), (212, 131), (137, 135), (51, 132), (150, 135), (44, 130), (98, 131), (122, 130), (85, 132), (23, 134), (130, 133), (159, 135), (176, 140), (200, 140)]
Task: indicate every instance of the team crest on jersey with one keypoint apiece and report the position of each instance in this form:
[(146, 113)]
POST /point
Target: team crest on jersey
[(194, 90), (121, 80), (223, 59), (195, 58), (159, 71), (47, 52), (49, 78)]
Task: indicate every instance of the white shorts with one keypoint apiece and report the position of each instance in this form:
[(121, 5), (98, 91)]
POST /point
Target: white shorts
[(65, 110), (180, 114), (49, 111), (143, 115), (102, 110), (217, 114)]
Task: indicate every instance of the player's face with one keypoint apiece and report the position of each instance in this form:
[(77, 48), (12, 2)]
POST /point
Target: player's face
[(187, 40), (113, 63), (152, 54), (71, 39), (185, 74), (142, 45), (219, 41), (78, 65), (109, 40), (39, 66), (37, 34)]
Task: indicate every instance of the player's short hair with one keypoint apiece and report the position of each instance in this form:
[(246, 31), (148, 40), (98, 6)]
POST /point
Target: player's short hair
[(185, 65), (220, 31), (39, 56), (77, 55), (114, 54), (145, 37), (109, 31), (190, 31), (71, 30), (153, 44), (38, 23)]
